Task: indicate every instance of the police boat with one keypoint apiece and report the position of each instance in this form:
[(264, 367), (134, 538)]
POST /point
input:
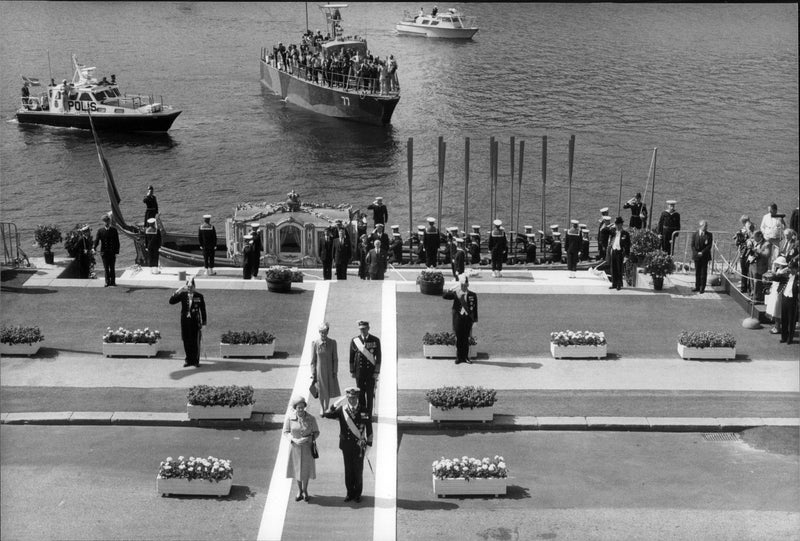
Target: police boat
[(451, 24), (338, 83), (69, 104)]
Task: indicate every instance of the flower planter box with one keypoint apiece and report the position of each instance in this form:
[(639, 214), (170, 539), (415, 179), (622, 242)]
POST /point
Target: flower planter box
[(493, 486), (120, 349), (279, 286), (706, 353), (431, 288), (19, 349), (247, 350), (483, 415), (578, 352), (448, 352), (219, 412), (194, 487)]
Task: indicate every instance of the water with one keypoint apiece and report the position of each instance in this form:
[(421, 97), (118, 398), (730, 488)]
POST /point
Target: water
[(714, 87)]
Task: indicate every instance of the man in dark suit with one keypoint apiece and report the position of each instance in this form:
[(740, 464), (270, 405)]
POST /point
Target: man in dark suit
[(248, 253), (380, 234), (702, 241), (668, 223), (108, 239), (396, 248), (620, 246), (365, 365), (257, 245), (465, 315), (326, 254), (376, 262), (355, 435), (193, 318), (341, 254), (151, 204)]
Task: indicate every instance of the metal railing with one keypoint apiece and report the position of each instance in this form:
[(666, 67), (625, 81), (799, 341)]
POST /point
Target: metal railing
[(13, 255), (722, 244)]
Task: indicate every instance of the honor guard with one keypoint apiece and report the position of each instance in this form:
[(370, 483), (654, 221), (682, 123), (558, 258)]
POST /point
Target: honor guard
[(584, 256), (396, 247), (257, 246), (602, 222), (603, 234), (530, 248), (668, 223), (475, 248), (432, 241), (207, 238), (498, 246), (419, 238), (459, 258), (555, 248), (573, 247), (450, 245), (638, 211), (151, 204)]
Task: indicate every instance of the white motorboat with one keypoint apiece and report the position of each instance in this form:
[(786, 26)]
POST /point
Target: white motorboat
[(451, 24)]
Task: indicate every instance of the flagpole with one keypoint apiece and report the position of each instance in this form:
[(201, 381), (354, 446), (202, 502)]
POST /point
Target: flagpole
[(49, 67)]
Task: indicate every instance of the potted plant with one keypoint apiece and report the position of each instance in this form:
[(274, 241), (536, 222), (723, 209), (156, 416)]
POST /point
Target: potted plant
[(431, 282), (46, 236), (224, 402), (461, 403), (643, 241), (279, 279), (703, 344), (247, 344), (468, 476), (443, 344), (658, 264), (126, 343), (578, 344), (20, 340), (195, 476)]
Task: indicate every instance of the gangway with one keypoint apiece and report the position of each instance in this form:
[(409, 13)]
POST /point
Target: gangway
[(13, 255)]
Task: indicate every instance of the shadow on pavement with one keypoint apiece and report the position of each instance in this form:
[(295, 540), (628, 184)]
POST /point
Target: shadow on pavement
[(426, 505), (740, 358), (27, 290), (214, 366), (533, 366)]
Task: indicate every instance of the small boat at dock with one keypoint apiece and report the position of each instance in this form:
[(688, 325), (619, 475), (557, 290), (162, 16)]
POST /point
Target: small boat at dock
[(69, 105), (451, 24), (343, 79)]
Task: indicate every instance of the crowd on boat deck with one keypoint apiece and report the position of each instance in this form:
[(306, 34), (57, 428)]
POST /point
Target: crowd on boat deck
[(346, 68)]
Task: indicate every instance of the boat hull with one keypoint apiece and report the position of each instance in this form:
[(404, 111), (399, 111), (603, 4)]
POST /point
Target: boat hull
[(188, 259), (412, 29), (332, 102), (152, 122)]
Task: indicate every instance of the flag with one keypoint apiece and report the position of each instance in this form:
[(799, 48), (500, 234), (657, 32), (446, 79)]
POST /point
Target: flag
[(33, 81), (113, 194)]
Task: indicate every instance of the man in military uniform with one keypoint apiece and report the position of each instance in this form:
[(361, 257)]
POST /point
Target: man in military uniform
[(638, 211), (498, 246), (84, 251), (573, 247), (603, 234), (465, 315), (365, 365), (432, 241), (668, 223), (193, 319), (474, 248), (207, 237), (584, 255), (419, 238), (380, 213), (257, 246), (450, 245), (460, 258), (108, 239), (151, 204), (555, 248), (247, 256), (355, 435), (396, 247), (530, 248), (620, 246), (380, 234)]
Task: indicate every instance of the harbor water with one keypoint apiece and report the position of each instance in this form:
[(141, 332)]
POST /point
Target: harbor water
[(713, 86)]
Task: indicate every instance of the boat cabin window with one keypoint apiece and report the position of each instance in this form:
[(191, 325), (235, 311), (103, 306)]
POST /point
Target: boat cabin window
[(434, 23), (101, 95), (85, 97)]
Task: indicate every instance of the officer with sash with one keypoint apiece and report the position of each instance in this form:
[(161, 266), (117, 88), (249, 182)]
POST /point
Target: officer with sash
[(465, 315), (207, 237), (355, 435), (365, 365)]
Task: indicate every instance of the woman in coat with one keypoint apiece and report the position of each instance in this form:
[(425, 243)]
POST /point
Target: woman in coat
[(301, 429), (325, 367)]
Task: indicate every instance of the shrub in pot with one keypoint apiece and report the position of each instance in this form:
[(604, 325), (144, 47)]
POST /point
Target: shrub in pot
[(20, 335), (46, 236), (461, 397), (431, 282), (658, 264)]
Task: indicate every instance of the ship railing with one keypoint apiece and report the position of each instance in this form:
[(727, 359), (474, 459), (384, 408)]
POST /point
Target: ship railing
[(468, 22), (33, 103), (347, 82), (13, 255), (722, 244)]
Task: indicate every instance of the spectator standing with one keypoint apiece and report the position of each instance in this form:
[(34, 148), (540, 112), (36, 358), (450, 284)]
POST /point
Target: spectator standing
[(326, 253), (341, 254), (702, 241), (789, 304), (758, 259), (772, 226)]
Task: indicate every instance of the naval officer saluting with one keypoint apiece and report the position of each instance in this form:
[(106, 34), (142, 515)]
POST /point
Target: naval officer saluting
[(355, 435)]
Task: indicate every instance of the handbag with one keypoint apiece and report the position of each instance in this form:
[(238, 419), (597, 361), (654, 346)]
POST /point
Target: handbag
[(314, 450), (313, 389)]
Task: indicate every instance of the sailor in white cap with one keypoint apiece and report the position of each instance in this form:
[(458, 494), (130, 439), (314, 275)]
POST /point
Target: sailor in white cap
[(418, 238), (396, 247), (530, 247), (247, 256), (380, 214), (459, 257), (498, 246), (355, 435), (150, 204), (668, 224), (257, 247), (365, 364), (604, 233), (207, 236), (573, 247), (555, 248), (152, 244), (450, 245), (432, 241), (638, 211), (584, 256)]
